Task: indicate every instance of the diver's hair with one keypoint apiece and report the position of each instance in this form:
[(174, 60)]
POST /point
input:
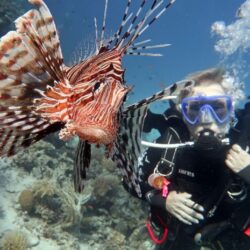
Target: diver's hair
[(211, 76)]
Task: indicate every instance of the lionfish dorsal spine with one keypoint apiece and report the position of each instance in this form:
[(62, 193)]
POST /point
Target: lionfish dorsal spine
[(104, 23), (142, 25), (96, 37), (122, 40), (129, 31), (125, 19), (133, 50), (118, 33)]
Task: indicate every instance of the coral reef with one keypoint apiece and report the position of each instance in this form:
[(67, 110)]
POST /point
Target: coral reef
[(1, 212), (46, 160), (115, 240), (26, 200), (14, 240), (105, 186), (46, 200), (104, 216)]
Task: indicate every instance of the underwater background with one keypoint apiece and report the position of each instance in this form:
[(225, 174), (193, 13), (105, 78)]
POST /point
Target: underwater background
[(38, 206)]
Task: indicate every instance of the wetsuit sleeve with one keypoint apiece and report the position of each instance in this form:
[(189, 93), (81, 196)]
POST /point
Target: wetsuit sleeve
[(155, 198), (154, 121), (241, 136), (245, 174)]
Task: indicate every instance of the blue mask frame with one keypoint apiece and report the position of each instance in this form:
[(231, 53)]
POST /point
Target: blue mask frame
[(219, 107)]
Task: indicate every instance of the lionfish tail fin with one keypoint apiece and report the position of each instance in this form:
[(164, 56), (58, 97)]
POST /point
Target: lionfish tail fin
[(30, 62)]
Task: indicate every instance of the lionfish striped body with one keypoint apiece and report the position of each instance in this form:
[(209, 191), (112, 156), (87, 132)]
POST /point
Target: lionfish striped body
[(90, 100), (40, 95)]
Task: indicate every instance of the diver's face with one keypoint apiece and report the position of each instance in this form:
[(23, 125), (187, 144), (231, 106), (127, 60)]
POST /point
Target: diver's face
[(211, 89)]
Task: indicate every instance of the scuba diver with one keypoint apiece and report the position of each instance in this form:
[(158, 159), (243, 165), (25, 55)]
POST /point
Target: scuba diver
[(198, 190)]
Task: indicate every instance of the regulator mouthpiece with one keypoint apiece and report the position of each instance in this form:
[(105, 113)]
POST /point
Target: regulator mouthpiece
[(209, 141)]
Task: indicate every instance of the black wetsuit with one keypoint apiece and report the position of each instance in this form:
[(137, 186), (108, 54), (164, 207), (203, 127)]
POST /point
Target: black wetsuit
[(200, 173)]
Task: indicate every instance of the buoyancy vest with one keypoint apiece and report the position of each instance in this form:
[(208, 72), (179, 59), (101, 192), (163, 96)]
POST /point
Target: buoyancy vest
[(221, 180)]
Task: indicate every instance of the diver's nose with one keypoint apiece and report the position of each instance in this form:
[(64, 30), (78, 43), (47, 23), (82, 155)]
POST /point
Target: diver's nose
[(205, 115)]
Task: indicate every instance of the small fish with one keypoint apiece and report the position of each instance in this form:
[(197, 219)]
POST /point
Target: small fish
[(39, 94)]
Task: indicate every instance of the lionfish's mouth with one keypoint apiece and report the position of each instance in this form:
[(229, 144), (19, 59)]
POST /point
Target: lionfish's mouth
[(97, 121), (96, 134)]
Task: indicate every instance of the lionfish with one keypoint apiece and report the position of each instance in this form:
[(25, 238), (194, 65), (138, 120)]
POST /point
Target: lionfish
[(128, 147), (39, 94)]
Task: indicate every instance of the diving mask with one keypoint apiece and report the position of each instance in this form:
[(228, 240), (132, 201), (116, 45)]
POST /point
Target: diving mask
[(205, 109)]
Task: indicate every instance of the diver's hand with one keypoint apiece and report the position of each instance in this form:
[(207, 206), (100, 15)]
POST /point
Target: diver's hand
[(183, 208), (237, 158)]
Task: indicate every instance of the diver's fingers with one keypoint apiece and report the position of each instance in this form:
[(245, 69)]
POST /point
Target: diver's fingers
[(236, 148), (191, 212), (230, 158), (186, 195), (229, 163), (194, 205), (180, 218), (188, 217), (233, 154)]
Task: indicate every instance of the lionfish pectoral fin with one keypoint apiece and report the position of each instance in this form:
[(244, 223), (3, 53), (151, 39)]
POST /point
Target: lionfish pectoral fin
[(128, 148), (82, 162), (30, 62), (38, 32), (67, 132)]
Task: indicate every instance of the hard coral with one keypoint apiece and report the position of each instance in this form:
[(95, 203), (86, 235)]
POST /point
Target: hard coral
[(57, 206), (104, 184), (26, 200), (48, 203), (14, 240)]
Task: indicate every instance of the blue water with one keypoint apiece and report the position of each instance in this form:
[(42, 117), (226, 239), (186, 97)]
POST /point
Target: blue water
[(186, 25)]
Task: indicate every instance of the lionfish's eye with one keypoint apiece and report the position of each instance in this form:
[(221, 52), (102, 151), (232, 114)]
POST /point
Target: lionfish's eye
[(97, 86)]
